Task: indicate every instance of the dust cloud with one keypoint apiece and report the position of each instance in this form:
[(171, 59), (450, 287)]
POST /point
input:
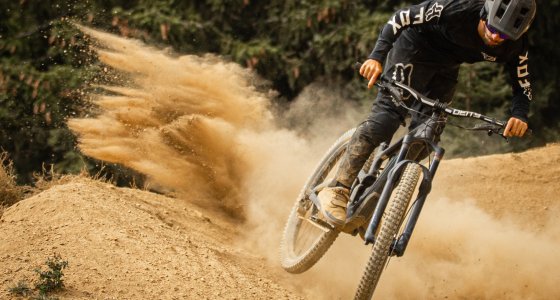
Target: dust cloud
[(459, 251), (198, 126), (176, 120)]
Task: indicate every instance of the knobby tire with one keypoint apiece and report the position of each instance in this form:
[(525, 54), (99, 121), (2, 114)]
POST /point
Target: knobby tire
[(303, 260), (391, 222)]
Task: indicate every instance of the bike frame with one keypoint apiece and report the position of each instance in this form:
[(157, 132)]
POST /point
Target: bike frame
[(380, 187), (372, 187)]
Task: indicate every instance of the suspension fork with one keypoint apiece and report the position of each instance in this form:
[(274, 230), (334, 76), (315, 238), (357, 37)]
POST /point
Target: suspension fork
[(408, 141), (437, 118), (400, 244)]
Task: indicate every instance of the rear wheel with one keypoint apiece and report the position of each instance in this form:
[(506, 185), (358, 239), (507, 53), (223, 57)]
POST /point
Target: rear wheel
[(306, 237), (390, 224)]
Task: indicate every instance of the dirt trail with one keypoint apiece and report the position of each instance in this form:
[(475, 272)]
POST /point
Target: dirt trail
[(129, 244), (524, 186), (235, 174)]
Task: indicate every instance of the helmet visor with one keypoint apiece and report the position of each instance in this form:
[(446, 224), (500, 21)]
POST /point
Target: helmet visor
[(493, 30)]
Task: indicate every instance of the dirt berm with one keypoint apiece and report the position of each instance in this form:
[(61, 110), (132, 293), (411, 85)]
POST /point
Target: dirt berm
[(125, 243)]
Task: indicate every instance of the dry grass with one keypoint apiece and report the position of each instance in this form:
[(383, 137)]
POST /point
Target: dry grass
[(49, 178), (10, 193)]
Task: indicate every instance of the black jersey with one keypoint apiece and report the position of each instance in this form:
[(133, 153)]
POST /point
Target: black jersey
[(445, 33)]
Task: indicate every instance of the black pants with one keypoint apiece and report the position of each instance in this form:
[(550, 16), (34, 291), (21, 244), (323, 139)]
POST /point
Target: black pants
[(437, 81)]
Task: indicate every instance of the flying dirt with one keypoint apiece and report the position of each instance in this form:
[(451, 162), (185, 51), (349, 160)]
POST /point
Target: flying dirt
[(198, 127)]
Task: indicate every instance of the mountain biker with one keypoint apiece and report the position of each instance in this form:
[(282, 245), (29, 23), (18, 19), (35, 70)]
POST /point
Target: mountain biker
[(423, 46)]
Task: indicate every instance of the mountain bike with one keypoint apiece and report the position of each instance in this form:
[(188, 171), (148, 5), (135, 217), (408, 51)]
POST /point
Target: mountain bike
[(380, 210)]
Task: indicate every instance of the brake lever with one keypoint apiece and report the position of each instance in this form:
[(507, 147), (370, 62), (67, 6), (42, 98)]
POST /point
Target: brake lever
[(393, 91), (396, 94), (490, 130), (381, 84), (497, 131)]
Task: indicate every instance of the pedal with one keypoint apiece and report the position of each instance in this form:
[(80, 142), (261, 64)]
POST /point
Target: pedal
[(317, 222)]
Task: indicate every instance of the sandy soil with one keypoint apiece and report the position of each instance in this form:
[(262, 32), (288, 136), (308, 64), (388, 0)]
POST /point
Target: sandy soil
[(130, 244), (524, 186)]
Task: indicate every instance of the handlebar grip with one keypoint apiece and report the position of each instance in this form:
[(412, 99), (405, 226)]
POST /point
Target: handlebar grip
[(357, 66)]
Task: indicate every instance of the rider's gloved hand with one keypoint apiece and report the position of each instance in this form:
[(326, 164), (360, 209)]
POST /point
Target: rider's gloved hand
[(371, 69), (515, 127)]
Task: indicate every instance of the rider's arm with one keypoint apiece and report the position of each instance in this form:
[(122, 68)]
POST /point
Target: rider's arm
[(427, 12), (518, 68)]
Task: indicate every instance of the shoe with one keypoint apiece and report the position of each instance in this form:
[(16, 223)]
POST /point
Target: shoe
[(333, 204)]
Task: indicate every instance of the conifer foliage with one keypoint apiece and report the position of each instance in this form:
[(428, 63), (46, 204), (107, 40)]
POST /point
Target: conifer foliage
[(46, 66)]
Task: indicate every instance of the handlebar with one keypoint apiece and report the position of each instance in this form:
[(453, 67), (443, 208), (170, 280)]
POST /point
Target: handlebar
[(395, 89)]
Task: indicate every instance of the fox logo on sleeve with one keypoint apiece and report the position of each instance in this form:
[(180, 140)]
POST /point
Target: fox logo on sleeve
[(403, 18), (522, 74)]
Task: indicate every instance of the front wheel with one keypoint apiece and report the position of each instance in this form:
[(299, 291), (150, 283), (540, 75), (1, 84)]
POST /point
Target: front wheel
[(390, 224), (306, 238)]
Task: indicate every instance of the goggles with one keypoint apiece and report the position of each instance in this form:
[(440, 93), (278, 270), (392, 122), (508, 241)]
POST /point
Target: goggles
[(496, 31)]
